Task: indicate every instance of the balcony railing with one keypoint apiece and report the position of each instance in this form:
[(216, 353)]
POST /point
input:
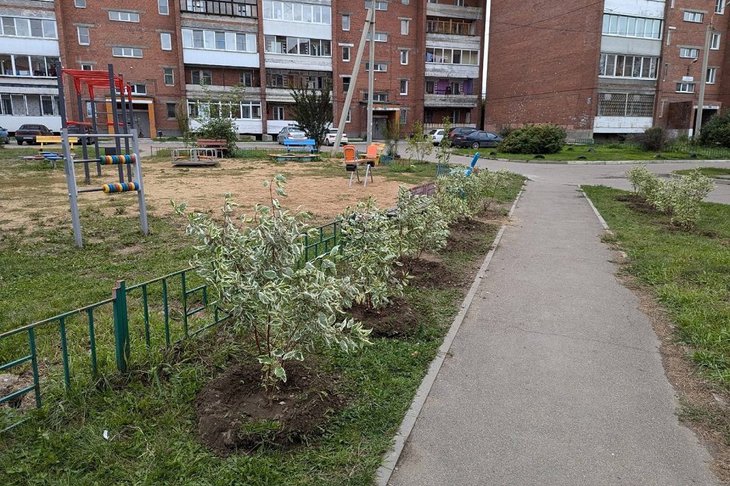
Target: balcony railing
[(245, 8), (449, 91), (450, 27)]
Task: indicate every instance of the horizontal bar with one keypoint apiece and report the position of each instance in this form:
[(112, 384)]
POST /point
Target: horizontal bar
[(93, 189), (15, 363), (149, 282), (55, 318), (12, 426), (195, 289), (17, 394), (109, 135), (197, 310)]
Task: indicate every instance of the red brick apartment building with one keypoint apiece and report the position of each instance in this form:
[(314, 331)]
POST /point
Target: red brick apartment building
[(605, 68), (428, 58)]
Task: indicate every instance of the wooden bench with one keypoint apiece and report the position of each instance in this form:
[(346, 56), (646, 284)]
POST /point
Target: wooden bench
[(54, 140), (306, 144), (219, 145), (289, 157)]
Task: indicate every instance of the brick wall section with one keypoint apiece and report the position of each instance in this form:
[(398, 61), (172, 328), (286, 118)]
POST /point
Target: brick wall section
[(543, 63), (680, 33), (105, 34), (388, 52)]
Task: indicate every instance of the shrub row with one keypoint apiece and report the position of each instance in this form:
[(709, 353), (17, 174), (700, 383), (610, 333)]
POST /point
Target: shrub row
[(534, 139), (679, 196)]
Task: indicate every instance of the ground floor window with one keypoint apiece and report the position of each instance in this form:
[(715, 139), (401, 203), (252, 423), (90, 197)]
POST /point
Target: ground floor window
[(625, 104)]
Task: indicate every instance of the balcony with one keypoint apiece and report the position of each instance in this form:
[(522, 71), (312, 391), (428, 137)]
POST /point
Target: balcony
[(227, 8), (446, 70), (443, 100), (453, 11)]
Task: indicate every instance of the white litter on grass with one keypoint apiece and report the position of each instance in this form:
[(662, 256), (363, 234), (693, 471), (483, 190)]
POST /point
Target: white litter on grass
[(105, 434)]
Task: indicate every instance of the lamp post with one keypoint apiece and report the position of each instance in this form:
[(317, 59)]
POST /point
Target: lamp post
[(703, 82)]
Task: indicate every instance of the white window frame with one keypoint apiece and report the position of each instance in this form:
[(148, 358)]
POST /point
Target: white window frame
[(403, 84), (165, 73), (346, 22), (346, 50), (715, 41), (123, 16), (163, 7), (689, 52), (693, 16), (122, 51), (79, 36), (685, 88), (711, 75), (80, 3), (404, 57), (278, 112), (720, 6), (166, 46), (405, 26), (84, 65)]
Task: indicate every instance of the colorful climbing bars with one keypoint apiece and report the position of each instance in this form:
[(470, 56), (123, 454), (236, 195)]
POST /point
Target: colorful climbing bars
[(118, 159), (120, 187)]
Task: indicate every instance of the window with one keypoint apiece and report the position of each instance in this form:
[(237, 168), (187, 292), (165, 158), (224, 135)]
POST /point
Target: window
[(379, 36), (80, 3), (378, 5), (48, 105), (404, 26), (171, 111), (720, 6), (378, 67), (403, 87), (404, 57), (403, 116), (278, 112), (715, 41), (139, 89), (168, 76), (346, 53), (346, 83), (86, 67), (345, 22), (685, 88), (297, 45), (22, 27), (689, 52), (711, 75), (201, 76), (625, 104), (83, 35), (246, 79), (126, 52), (690, 16), (348, 119), (120, 16), (624, 26), (6, 104), (451, 56), (297, 12), (165, 41), (620, 66), (163, 7), (222, 41)]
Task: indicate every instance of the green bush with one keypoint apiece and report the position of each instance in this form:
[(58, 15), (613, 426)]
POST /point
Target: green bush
[(716, 131), (652, 140), (219, 129), (534, 139)]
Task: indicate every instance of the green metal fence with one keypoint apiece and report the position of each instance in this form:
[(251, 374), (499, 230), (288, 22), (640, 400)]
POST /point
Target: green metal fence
[(78, 346)]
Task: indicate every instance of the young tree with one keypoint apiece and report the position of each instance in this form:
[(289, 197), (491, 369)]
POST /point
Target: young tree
[(313, 111), (419, 144)]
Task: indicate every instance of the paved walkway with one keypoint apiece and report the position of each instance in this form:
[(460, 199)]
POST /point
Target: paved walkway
[(555, 376)]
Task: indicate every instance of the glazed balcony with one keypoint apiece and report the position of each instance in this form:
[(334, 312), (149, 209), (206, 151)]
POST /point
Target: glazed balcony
[(227, 8), (453, 11)]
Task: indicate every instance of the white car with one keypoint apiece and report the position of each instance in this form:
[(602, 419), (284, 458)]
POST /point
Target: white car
[(329, 139), (437, 135)]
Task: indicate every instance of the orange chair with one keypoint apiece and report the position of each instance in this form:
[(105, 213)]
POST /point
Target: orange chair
[(350, 153), (351, 162)]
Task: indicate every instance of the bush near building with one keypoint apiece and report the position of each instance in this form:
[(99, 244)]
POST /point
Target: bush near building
[(717, 131), (534, 139), (653, 139)]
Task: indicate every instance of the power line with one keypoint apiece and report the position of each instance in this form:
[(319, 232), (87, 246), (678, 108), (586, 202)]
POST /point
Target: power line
[(533, 24)]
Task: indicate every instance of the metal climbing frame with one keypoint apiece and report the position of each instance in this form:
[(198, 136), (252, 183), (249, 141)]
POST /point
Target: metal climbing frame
[(116, 86)]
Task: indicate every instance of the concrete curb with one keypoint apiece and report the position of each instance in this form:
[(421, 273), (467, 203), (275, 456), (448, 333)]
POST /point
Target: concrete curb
[(595, 162), (595, 210), (385, 471)]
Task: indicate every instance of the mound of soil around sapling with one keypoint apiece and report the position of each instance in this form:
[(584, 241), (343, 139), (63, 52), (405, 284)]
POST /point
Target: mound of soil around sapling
[(467, 236), (637, 203), (395, 320), (235, 413)]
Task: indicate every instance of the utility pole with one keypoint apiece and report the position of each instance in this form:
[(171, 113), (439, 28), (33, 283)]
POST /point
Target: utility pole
[(353, 79), (371, 75), (703, 82)]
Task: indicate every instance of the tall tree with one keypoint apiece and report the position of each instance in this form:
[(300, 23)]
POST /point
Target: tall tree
[(313, 111)]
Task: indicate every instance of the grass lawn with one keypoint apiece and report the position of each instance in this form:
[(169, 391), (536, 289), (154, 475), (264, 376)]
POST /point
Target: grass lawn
[(597, 152), (149, 414), (688, 271), (707, 171)]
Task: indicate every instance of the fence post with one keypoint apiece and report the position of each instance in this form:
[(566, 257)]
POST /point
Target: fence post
[(121, 325)]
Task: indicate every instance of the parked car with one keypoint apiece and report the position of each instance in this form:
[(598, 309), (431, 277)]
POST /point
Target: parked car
[(460, 131), (4, 138), (437, 135), (28, 133), (477, 139), (329, 139), (290, 132)]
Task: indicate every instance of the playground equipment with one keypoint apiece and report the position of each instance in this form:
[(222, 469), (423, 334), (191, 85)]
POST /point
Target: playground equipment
[(121, 131)]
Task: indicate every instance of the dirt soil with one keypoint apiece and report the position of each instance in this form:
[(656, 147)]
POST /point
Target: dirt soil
[(394, 321), (236, 415), (311, 188)]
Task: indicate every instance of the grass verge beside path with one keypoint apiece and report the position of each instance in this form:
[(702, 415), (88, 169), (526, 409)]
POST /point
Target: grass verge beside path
[(707, 171), (688, 271)]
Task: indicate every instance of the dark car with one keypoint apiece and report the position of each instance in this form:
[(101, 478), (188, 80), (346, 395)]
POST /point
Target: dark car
[(28, 133), (459, 131), (4, 138), (477, 139), (78, 130)]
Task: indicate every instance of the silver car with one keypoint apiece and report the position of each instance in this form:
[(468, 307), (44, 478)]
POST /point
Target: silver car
[(289, 133)]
